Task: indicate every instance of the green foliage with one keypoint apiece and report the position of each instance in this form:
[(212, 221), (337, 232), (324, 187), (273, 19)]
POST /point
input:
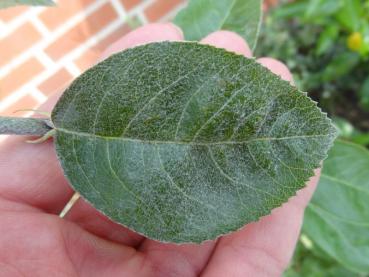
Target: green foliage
[(202, 17), (364, 94), (310, 261), (345, 16), (188, 141), (348, 132), (336, 220), (10, 3), (315, 39)]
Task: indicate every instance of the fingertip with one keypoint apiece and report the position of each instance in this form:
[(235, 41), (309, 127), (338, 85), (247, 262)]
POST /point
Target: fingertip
[(229, 41), (176, 29), (154, 32), (304, 195), (277, 68)]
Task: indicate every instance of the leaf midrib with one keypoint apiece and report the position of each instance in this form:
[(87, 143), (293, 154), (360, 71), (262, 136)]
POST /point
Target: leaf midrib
[(227, 14), (191, 143)]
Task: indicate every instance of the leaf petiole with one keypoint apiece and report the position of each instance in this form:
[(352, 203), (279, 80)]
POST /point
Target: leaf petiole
[(45, 137), (70, 204)]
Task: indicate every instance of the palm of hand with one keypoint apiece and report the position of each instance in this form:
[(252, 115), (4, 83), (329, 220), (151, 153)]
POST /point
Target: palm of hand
[(36, 242)]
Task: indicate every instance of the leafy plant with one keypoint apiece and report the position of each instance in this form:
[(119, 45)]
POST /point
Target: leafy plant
[(10, 3), (188, 141), (201, 17), (337, 218), (349, 133), (348, 18), (314, 47), (311, 261)]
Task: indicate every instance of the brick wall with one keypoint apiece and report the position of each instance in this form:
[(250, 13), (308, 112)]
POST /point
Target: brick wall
[(43, 48)]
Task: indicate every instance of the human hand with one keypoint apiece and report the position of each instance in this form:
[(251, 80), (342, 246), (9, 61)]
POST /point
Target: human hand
[(34, 241)]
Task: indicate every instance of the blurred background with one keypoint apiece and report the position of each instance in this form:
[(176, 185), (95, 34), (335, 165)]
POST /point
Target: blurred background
[(43, 48), (326, 46)]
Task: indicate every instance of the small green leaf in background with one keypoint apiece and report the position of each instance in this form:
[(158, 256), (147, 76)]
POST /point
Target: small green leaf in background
[(291, 9), (184, 142), (364, 95), (337, 219), (327, 39), (350, 14), (341, 65), (202, 17), (10, 3), (317, 8), (348, 132), (313, 262)]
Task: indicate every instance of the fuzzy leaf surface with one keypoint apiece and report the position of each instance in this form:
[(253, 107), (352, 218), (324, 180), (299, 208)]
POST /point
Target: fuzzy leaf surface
[(24, 126), (183, 142), (202, 17)]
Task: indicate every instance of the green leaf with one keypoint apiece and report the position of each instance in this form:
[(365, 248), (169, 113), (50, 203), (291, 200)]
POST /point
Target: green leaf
[(202, 17), (311, 263), (10, 3), (319, 8), (24, 126), (327, 39), (364, 94), (341, 65), (337, 217), (291, 9), (183, 142), (350, 14)]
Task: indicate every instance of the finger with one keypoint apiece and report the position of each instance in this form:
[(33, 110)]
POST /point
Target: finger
[(177, 260), (229, 41), (277, 67), (31, 174), (95, 222), (264, 248), (44, 245), (148, 33), (192, 258), (83, 213)]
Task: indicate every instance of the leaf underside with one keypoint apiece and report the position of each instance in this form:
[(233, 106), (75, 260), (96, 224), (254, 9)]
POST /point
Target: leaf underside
[(183, 142), (337, 219), (24, 126), (202, 17)]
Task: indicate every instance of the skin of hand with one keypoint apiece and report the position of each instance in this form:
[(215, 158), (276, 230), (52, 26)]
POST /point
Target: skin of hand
[(34, 241)]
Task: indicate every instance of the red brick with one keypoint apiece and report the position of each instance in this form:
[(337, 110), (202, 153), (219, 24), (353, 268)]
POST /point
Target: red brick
[(20, 76), (82, 32), (130, 4), (55, 82), (92, 55), (26, 102), (17, 42), (9, 14), (87, 59), (161, 8), (55, 16)]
